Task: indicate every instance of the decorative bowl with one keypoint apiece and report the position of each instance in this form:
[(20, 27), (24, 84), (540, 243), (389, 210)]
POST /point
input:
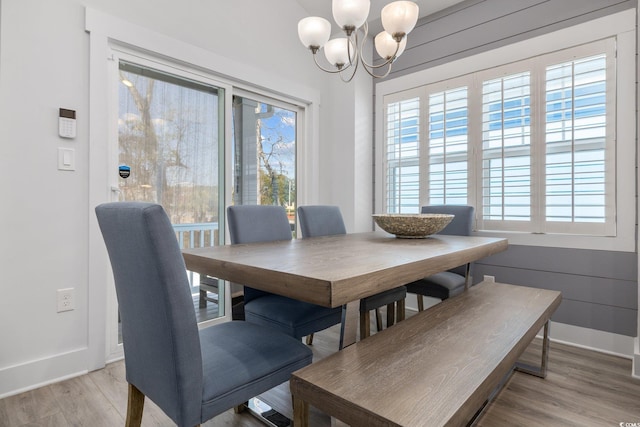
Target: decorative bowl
[(412, 226)]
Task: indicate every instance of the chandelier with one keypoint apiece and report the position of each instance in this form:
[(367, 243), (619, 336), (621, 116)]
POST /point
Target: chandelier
[(344, 53)]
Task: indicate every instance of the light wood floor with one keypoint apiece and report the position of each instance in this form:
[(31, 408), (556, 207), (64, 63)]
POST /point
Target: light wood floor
[(583, 388)]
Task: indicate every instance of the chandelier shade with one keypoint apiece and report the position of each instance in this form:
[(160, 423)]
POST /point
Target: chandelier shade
[(343, 53), (399, 17), (350, 14), (337, 52), (314, 31), (387, 47)]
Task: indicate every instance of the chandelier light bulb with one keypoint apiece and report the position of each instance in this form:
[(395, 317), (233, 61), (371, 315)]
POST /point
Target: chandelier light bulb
[(386, 45), (314, 32), (350, 14), (399, 17)]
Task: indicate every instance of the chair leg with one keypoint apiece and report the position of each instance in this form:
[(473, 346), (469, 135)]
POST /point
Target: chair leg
[(401, 309), (202, 302), (238, 409), (391, 314), (365, 327), (309, 339), (420, 302), (379, 326), (135, 406)]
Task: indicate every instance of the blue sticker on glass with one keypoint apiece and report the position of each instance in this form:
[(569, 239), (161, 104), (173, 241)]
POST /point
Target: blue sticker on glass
[(124, 171)]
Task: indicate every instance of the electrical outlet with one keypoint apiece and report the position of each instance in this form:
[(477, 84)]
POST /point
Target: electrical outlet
[(489, 278), (66, 300)]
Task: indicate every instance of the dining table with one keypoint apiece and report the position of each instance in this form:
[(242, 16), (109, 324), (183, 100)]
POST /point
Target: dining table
[(339, 270)]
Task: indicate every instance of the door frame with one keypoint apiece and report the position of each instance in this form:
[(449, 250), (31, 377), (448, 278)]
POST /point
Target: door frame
[(106, 31)]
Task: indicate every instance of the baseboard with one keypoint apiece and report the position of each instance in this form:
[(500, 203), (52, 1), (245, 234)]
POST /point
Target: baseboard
[(591, 339), (34, 374), (635, 371)]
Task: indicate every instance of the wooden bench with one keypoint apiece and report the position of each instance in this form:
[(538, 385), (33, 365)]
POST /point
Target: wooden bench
[(438, 368)]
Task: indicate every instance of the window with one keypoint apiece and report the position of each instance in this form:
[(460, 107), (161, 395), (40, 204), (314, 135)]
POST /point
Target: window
[(403, 166), (264, 153), (531, 144), (448, 147), (576, 141)]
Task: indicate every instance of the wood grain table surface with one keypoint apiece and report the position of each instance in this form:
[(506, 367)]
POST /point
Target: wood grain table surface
[(335, 270)]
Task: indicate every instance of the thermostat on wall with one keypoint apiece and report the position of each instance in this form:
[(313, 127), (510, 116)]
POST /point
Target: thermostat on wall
[(67, 123)]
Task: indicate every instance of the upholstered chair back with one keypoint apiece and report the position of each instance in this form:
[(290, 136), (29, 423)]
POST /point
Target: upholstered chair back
[(159, 329)]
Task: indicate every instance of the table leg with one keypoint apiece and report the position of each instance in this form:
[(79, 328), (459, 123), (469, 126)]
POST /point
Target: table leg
[(467, 276), (349, 328), (300, 412)]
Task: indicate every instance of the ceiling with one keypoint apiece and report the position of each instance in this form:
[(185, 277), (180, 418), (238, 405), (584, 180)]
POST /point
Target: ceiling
[(323, 8)]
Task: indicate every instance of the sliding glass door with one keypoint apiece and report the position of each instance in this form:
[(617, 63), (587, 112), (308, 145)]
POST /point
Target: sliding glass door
[(264, 153), (170, 151)]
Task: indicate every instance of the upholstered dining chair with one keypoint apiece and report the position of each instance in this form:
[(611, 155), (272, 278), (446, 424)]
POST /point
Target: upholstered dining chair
[(264, 223), (192, 375), (447, 283), (324, 220)]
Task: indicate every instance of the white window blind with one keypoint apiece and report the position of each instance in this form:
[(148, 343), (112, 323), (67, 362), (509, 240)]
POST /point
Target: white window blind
[(530, 144), (506, 149), (575, 141), (402, 156), (448, 147)]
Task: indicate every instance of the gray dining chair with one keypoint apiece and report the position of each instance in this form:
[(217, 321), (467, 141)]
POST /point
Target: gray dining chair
[(191, 374), (449, 283), (264, 223), (324, 220)]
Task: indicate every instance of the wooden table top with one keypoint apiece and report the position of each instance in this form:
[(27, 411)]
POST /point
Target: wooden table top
[(334, 270)]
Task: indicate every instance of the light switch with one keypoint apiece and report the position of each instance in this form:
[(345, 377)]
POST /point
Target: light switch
[(66, 159)]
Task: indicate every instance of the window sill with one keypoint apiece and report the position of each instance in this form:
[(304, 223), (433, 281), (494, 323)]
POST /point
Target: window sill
[(618, 243)]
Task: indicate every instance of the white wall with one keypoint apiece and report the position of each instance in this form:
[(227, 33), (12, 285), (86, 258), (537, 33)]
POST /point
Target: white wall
[(348, 150), (46, 213)]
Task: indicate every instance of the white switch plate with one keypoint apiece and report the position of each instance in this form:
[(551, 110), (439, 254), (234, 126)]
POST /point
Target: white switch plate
[(66, 159), (66, 300)]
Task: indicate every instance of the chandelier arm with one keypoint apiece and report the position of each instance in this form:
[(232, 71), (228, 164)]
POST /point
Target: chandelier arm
[(355, 68), (387, 62), (372, 74), (353, 35), (315, 59)]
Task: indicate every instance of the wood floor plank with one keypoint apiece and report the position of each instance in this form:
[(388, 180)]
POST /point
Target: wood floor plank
[(55, 420), (30, 407), (83, 404), (583, 388)]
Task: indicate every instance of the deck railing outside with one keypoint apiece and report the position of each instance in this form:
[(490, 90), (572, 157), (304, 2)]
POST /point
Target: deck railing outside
[(197, 235)]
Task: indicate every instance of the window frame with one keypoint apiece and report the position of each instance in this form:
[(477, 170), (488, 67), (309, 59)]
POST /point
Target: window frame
[(620, 28)]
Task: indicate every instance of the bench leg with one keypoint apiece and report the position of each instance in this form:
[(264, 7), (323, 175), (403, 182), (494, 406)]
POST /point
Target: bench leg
[(540, 371), (300, 413)]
